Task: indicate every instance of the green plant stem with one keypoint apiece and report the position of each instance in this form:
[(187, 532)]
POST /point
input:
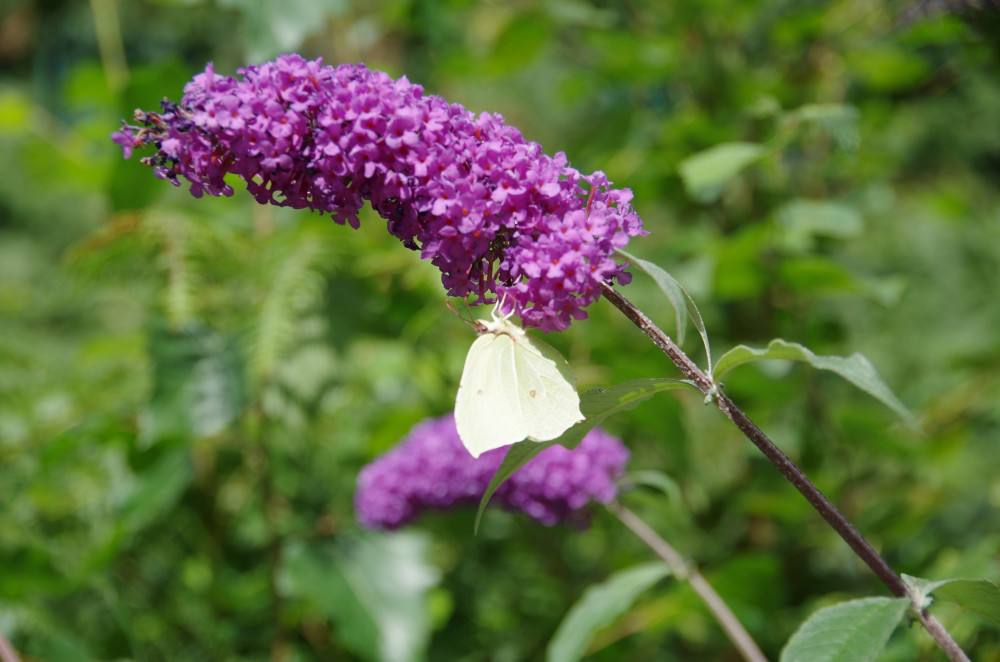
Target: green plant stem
[(788, 469), (109, 43), (263, 464), (737, 634)]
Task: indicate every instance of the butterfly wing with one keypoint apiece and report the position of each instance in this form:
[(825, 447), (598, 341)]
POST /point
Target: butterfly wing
[(547, 400), (513, 387), (486, 396)]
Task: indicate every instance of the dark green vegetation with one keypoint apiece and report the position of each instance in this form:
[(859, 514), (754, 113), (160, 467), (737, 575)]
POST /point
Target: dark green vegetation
[(188, 388)]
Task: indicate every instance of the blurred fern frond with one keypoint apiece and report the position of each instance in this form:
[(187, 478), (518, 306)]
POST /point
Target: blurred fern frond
[(294, 271)]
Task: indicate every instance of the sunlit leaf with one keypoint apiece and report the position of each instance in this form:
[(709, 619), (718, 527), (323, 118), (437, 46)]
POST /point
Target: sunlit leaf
[(800, 221), (839, 120), (815, 274), (856, 369), (678, 297), (519, 43), (706, 173), (15, 111), (599, 605), (888, 68), (854, 631)]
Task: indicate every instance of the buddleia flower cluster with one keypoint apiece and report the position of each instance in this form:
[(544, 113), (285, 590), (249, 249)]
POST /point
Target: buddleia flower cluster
[(501, 220), (431, 470)]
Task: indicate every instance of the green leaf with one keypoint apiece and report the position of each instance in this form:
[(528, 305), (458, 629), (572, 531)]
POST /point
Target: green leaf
[(837, 119), (60, 643), (888, 68), (854, 631), (311, 574), (280, 26), (678, 297), (297, 285), (599, 605), (656, 480), (596, 405), (800, 221), (374, 587), (519, 44), (856, 369), (157, 490), (706, 173), (980, 596), (15, 111), (816, 275)]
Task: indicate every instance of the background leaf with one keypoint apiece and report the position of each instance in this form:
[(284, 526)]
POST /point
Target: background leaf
[(599, 605), (840, 120), (374, 587), (803, 221), (706, 173)]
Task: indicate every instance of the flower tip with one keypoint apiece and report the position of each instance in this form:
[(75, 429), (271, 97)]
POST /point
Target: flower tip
[(125, 140)]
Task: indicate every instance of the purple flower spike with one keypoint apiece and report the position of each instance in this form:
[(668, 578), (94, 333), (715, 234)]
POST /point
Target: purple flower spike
[(500, 219), (430, 469)]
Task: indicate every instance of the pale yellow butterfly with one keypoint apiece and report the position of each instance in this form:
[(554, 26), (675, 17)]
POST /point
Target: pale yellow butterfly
[(513, 387)]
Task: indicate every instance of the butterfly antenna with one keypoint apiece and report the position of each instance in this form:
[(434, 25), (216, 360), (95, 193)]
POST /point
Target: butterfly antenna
[(474, 325), (497, 312)]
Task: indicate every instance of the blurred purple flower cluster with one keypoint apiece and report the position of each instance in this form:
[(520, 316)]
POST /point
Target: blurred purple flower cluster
[(500, 219), (430, 469)]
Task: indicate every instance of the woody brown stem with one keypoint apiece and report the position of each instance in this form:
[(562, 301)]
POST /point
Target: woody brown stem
[(788, 469)]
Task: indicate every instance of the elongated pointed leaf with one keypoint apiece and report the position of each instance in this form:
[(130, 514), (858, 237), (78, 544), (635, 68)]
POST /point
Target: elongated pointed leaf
[(706, 173), (599, 605), (854, 631), (804, 218), (373, 587), (856, 369), (839, 120), (596, 404), (519, 455), (656, 480), (158, 491), (980, 596), (677, 296)]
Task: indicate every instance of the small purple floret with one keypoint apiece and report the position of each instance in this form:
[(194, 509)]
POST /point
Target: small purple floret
[(499, 218), (124, 139), (431, 470)]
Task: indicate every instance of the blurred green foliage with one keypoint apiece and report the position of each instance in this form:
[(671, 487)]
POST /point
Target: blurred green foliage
[(188, 388)]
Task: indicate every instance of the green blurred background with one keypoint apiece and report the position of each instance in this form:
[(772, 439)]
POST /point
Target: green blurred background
[(188, 388)]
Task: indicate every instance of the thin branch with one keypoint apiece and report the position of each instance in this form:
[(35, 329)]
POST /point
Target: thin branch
[(7, 652), (740, 638), (942, 637), (788, 469)]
